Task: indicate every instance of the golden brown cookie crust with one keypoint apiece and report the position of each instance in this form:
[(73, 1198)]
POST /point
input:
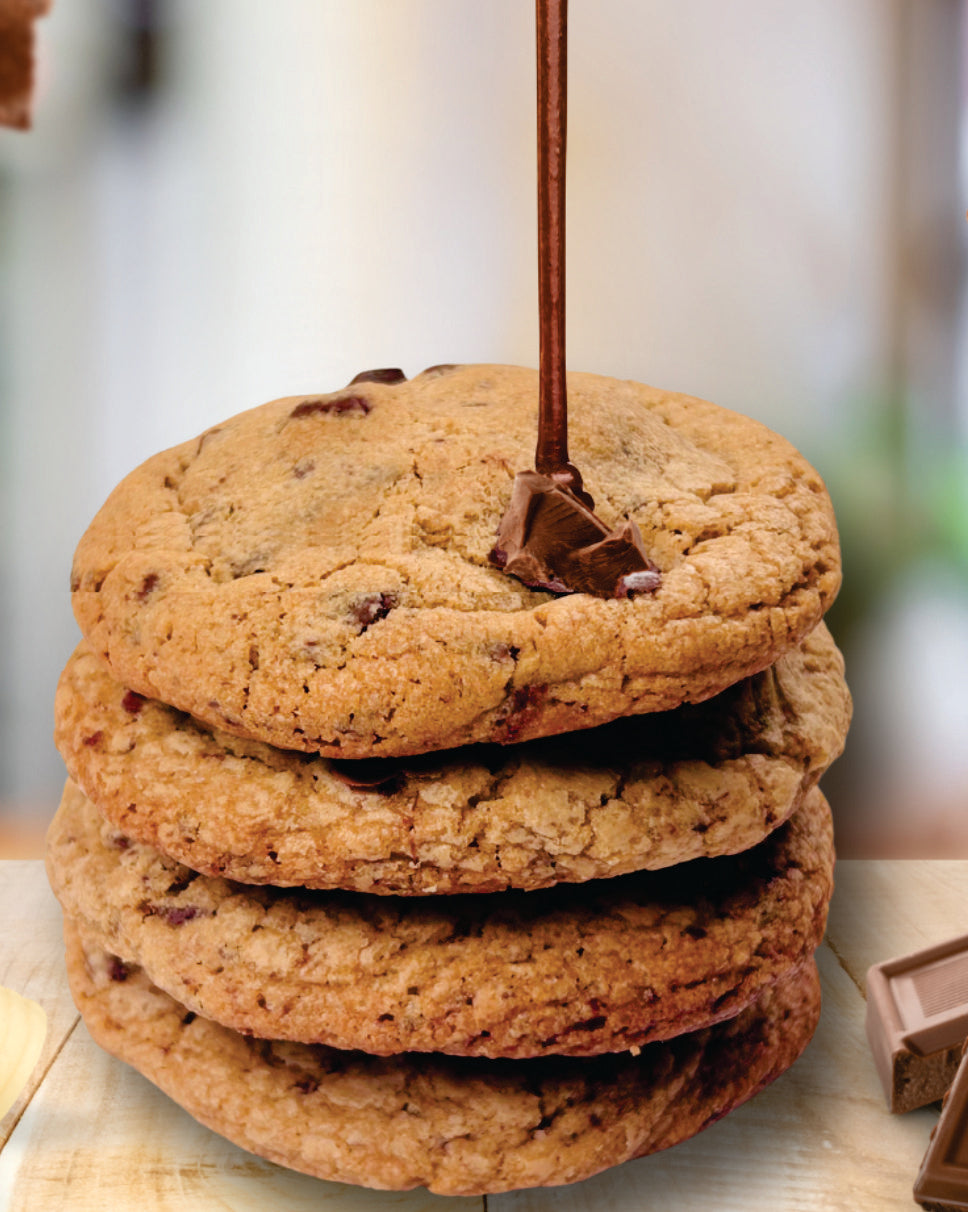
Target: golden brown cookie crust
[(457, 1126), (574, 969), (641, 793), (314, 573)]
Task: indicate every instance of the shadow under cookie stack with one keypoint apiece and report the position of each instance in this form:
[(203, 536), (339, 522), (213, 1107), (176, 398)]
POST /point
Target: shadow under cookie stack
[(398, 872)]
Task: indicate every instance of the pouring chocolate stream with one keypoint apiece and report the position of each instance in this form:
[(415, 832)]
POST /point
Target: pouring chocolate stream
[(550, 537)]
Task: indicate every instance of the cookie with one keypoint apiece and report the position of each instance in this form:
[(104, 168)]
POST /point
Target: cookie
[(576, 969), (643, 792), (460, 1126), (315, 572)]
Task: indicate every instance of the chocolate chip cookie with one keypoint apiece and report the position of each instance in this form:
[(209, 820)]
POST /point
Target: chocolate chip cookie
[(576, 969), (456, 1125), (315, 573), (643, 792)]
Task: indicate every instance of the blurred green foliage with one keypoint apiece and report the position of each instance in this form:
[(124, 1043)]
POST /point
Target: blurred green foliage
[(900, 491)]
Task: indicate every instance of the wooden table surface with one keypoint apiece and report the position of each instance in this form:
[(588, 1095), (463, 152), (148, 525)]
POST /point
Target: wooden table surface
[(89, 1134)]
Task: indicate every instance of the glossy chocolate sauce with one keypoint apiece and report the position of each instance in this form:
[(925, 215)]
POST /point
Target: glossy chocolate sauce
[(550, 538), (551, 454)]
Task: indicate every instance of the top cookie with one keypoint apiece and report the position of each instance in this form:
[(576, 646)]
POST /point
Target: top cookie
[(314, 573)]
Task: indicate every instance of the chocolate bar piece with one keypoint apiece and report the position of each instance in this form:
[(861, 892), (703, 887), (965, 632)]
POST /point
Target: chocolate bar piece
[(942, 1181), (917, 1022), (17, 59)]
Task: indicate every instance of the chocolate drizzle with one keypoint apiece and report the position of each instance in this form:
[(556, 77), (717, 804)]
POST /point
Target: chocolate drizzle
[(550, 538), (551, 453)]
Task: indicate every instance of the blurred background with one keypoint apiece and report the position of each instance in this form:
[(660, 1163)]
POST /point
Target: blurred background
[(226, 202)]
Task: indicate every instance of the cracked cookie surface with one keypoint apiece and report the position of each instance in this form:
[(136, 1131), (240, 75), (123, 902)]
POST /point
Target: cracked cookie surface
[(457, 1126), (314, 573), (641, 793), (576, 969)]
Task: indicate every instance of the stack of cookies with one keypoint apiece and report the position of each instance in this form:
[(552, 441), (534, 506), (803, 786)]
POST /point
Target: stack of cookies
[(398, 872)]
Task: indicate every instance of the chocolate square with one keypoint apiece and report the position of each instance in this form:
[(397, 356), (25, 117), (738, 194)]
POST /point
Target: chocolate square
[(942, 1181), (917, 1022)]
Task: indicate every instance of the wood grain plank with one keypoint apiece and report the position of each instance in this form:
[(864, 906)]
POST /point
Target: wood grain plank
[(98, 1135), (887, 907), (818, 1140), (32, 964), (95, 1134), (91, 1134)]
